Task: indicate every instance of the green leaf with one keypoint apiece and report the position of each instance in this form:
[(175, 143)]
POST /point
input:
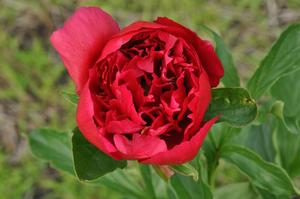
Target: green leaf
[(186, 170), (288, 150), (259, 139), (236, 191), (264, 111), (211, 152), (56, 147), (233, 105), (223, 133), (147, 178), (220, 135), (283, 59), (124, 182), (171, 193), (290, 123), (52, 146), (200, 164), (185, 187), (163, 172), (89, 162), (71, 97), (287, 90), (231, 77), (268, 195), (262, 174)]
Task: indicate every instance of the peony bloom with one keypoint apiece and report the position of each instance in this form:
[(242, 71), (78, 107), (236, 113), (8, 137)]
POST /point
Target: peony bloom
[(143, 90)]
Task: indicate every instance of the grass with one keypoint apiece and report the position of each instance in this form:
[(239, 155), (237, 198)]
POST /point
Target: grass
[(32, 76)]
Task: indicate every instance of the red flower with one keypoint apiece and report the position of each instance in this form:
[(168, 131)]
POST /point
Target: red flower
[(143, 90)]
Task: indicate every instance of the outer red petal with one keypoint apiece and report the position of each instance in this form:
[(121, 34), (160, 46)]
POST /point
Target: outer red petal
[(141, 146), (85, 121), (205, 50), (126, 34), (183, 152), (199, 104), (80, 41)]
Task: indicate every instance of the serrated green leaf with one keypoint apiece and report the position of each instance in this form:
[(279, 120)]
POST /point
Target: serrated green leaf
[(262, 174), (52, 146), (233, 105), (89, 162), (283, 59), (231, 77)]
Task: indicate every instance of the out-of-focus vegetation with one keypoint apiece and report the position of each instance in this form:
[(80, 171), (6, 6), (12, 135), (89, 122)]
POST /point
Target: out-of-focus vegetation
[(32, 77)]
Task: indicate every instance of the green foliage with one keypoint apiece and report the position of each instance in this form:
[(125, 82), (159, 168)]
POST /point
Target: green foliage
[(290, 123), (52, 146), (21, 180), (55, 147), (288, 150), (283, 59), (186, 170), (286, 89), (287, 109), (187, 188), (233, 105), (264, 175), (147, 179), (89, 162), (236, 191), (125, 183), (33, 78), (259, 138), (231, 77)]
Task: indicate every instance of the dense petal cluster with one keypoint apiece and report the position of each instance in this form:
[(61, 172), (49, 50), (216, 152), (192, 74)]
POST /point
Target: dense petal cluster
[(143, 90)]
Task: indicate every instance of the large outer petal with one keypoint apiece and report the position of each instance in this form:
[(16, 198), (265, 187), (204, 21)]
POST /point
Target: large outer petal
[(183, 152), (141, 146), (205, 50), (80, 41), (199, 105), (126, 34), (87, 126)]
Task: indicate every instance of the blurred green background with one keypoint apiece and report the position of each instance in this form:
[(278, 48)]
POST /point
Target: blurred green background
[(32, 76)]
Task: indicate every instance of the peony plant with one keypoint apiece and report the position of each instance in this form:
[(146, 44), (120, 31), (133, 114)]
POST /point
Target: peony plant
[(149, 96)]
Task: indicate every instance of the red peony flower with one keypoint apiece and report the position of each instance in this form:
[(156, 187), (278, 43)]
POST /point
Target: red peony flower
[(143, 90)]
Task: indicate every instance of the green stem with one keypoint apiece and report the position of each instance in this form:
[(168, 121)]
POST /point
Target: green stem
[(212, 171), (147, 178)]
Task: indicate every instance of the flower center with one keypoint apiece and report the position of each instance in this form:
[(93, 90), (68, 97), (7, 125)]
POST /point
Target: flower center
[(148, 84)]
